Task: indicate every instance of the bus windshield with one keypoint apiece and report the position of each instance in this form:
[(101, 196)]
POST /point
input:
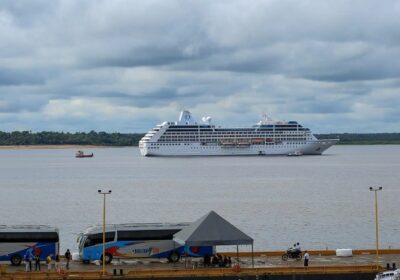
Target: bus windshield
[(81, 240)]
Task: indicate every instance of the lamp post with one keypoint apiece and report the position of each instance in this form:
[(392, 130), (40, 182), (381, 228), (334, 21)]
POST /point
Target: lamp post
[(104, 228), (375, 190)]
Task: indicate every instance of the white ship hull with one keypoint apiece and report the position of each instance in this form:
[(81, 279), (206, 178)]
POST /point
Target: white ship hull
[(316, 147)]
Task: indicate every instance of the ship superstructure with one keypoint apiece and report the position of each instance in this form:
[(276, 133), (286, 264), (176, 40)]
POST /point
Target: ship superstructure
[(268, 137)]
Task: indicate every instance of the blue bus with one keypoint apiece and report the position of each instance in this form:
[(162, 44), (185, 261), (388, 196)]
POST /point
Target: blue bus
[(16, 241), (139, 240)]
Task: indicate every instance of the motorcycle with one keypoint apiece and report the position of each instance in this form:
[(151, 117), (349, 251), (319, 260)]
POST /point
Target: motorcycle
[(298, 255)]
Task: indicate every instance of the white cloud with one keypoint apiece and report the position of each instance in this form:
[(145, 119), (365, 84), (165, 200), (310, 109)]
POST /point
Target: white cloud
[(124, 66)]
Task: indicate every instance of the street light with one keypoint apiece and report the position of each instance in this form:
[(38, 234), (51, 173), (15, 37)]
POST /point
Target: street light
[(375, 190), (104, 228)]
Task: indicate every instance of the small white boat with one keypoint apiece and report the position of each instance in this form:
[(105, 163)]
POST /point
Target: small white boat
[(388, 275), (295, 153)]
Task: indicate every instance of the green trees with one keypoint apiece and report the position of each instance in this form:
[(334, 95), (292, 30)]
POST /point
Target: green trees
[(363, 138), (61, 138)]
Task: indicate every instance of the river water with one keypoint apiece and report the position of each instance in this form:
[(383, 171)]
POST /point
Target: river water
[(319, 201)]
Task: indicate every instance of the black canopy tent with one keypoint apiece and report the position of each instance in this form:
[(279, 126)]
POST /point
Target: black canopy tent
[(213, 230)]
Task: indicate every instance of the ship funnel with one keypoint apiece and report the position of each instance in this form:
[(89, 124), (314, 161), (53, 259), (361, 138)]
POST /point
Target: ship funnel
[(186, 118)]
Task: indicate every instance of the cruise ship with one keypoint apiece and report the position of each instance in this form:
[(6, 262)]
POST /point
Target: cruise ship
[(187, 137)]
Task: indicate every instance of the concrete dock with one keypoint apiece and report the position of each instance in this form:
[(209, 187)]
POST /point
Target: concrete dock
[(267, 265)]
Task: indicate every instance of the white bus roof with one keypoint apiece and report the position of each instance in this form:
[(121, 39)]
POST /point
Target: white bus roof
[(30, 228), (136, 226)]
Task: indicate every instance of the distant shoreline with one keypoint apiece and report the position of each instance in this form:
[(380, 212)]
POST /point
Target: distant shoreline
[(62, 140), (45, 147), (82, 147)]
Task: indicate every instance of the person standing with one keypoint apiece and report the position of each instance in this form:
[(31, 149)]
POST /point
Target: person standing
[(26, 260), (214, 260), (207, 260), (57, 264), (49, 261), (67, 257), (306, 258), (37, 262)]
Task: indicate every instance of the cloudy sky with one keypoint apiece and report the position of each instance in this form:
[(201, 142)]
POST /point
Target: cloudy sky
[(125, 66)]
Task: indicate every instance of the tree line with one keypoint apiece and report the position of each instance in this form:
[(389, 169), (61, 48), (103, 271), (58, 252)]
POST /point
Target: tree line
[(363, 138), (66, 138), (132, 139)]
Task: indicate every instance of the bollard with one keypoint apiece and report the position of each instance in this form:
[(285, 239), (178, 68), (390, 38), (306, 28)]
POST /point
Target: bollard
[(394, 266), (121, 272), (387, 266), (115, 272), (236, 268), (3, 269)]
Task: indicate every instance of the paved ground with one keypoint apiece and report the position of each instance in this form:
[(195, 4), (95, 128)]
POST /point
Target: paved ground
[(263, 261)]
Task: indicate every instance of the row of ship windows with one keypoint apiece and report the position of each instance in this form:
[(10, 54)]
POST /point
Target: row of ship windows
[(187, 127), (234, 135), (233, 131), (185, 139), (255, 126), (205, 138), (186, 144), (257, 133), (168, 144), (216, 147)]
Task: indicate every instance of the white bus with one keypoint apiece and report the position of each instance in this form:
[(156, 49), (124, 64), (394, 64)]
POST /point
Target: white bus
[(139, 240), (16, 241)]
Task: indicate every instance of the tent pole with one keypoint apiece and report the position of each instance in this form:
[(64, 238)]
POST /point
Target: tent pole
[(252, 255), (237, 253)]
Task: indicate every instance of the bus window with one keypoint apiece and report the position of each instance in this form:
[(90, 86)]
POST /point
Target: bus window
[(94, 239), (7, 237), (125, 235)]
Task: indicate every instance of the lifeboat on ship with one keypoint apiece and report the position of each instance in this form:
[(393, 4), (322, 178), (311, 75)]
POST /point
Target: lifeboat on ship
[(243, 143), (257, 141), (227, 143)]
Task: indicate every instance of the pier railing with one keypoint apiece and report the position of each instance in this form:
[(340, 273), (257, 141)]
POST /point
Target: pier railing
[(197, 272)]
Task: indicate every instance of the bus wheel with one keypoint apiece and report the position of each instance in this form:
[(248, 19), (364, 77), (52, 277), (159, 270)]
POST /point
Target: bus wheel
[(109, 258), (174, 257), (16, 259)]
